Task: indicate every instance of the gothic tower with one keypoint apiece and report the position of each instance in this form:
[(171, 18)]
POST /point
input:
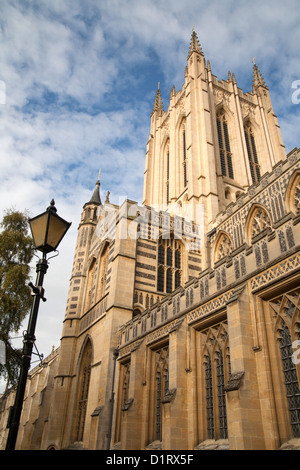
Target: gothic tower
[(212, 143)]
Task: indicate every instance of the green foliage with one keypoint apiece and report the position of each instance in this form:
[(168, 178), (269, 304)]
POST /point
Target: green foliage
[(16, 251)]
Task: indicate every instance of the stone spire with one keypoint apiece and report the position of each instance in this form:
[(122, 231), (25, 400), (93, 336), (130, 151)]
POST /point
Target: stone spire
[(257, 77), (194, 45), (158, 105), (96, 199)]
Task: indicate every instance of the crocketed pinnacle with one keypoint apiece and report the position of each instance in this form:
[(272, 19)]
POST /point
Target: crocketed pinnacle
[(158, 105), (257, 77), (194, 45)]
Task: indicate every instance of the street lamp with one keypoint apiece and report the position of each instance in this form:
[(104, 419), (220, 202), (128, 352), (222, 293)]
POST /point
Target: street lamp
[(47, 230)]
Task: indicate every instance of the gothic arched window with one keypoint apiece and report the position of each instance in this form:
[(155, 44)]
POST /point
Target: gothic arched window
[(224, 145), (259, 221), (293, 194), (287, 309), (252, 154), (83, 390), (223, 246)]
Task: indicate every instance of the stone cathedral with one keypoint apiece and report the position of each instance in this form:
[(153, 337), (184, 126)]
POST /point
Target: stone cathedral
[(181, 329)]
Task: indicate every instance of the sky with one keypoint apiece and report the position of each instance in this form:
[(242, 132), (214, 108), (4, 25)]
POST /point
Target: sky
[(77, 87)]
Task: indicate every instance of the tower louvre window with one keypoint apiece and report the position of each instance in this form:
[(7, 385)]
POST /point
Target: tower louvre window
[(224, 146), (252, 154), (160, 279), (169, 281), (169, 265)]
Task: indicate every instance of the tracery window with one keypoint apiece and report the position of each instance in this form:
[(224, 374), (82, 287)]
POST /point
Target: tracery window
[(252, 154), (297, 197), (287, 309), (216, 367), (260, 221), (169, 265), (223, 247), (224, 145)]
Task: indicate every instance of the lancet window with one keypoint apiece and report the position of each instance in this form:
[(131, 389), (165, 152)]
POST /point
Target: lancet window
[(216, 369), (252, 154), (83, 390), (161, 388), (224, 145), (123, 397)]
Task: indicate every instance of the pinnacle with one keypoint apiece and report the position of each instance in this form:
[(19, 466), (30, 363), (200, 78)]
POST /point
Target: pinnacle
[(158, 105), (257, 76), (195, 45)]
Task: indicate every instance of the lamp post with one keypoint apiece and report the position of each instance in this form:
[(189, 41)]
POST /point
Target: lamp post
[(47, 230)]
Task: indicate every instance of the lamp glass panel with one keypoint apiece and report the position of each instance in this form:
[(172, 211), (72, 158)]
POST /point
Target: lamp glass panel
[(38, 228), (57, 229)]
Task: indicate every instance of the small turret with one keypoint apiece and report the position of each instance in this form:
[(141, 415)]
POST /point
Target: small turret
[(257, 77), (96, 199)]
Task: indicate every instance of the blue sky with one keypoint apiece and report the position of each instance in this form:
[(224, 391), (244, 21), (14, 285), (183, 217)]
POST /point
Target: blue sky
[(80, 79)]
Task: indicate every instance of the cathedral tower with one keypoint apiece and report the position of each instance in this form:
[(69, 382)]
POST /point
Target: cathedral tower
[(213, 141)]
